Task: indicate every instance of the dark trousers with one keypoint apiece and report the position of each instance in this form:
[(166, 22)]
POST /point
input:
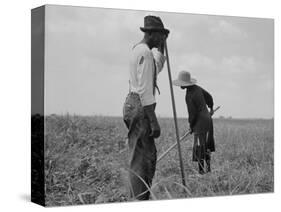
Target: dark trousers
[(142, 148), (201, 152)]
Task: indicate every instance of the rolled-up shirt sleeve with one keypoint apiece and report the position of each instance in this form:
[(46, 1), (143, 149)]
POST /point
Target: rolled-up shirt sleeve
[(159, 60), (145, 73)]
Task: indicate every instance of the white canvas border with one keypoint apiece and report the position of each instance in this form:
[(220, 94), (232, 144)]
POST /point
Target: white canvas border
[(15, 106)]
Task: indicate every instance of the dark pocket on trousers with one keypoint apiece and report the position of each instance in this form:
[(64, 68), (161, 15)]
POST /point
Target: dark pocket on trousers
[(127, 111)]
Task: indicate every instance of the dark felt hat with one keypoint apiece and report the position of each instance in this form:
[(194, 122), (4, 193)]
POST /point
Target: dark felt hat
[(153, 23)]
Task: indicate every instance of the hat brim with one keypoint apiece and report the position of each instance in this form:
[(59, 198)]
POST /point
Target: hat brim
[(163, 30), (178, 82)]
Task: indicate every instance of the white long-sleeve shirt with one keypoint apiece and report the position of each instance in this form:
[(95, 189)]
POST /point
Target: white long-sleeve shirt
[(142, 70)]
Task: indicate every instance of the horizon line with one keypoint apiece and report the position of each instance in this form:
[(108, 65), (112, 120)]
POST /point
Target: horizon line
[(159, 116)]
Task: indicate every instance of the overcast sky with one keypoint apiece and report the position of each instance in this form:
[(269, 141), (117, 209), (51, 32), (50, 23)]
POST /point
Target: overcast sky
[(88, 49)]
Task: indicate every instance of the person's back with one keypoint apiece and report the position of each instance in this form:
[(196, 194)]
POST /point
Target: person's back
[(198, 114), (141, 54)]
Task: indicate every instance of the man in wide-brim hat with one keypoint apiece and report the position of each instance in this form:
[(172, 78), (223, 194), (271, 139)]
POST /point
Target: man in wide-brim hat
[(139, 108), (154, 23), (200, 121)]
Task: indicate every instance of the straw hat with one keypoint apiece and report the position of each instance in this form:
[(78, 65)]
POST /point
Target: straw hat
[(184, 79)]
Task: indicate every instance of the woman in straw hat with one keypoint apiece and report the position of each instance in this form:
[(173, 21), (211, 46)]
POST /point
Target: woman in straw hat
[(200, 121)]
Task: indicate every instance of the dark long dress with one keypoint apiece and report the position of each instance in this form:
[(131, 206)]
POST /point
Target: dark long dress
[(200, 121)]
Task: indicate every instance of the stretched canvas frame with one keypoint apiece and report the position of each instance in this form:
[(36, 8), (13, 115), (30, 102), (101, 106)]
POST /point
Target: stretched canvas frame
[(79, 144)]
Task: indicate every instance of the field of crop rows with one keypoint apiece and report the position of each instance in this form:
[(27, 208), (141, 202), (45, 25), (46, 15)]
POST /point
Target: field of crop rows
[(86, 160)]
